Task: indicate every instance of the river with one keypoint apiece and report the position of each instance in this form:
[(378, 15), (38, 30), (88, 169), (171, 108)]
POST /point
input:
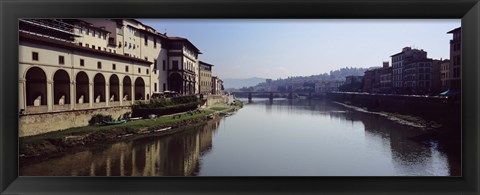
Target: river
[(275, 138)]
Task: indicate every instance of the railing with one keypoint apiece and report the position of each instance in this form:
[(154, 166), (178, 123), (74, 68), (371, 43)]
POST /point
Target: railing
[(36, 109), (52, 24), (61, 107)]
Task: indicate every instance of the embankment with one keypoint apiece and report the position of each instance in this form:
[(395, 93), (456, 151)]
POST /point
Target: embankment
[(48, 145), (437, 109)]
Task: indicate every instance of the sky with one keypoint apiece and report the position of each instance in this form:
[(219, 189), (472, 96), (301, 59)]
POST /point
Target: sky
[(279, 48)]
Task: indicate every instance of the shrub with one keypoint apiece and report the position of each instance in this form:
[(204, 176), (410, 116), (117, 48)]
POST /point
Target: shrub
[(99, 118)]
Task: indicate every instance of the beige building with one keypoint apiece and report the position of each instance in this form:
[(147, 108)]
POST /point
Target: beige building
[(183, 71), (205, 84), (73, 64), (217, 86), (56, 74)]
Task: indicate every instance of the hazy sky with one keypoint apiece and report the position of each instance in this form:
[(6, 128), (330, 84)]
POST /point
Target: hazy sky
[(280, 48)]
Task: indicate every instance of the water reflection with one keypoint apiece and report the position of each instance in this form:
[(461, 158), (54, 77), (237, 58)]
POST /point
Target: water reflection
[(273, 138), (176, 155)]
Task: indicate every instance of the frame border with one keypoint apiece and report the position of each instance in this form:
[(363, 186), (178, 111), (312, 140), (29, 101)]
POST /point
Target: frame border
[(468, 10)]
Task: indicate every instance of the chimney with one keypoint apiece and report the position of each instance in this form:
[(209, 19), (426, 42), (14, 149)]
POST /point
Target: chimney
[(386, 64)]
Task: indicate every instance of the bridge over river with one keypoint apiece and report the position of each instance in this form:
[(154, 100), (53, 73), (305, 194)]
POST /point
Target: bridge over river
[(275, 94)]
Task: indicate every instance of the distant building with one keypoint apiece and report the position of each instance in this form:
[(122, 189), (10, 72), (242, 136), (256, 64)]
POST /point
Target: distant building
[(205, 84), (398, 62), (369, 81), (455, 59), (217, 86), (386, 82), (327, 86), (352, 79), (445, 75), (436, 77), (378, 80)]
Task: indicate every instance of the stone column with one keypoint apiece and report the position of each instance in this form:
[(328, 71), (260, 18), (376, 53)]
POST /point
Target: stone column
[(49, 95), (90, 94), (132, 99), (73, 94), (107, 93), (120, 92), (21, 94)]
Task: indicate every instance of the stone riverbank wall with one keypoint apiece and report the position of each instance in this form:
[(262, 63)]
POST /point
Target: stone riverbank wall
[(438, 109), (34, 124), (213, 100)]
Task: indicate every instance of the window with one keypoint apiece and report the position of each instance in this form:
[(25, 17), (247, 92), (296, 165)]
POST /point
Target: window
[(93, 46), (175, 65), (139, 70), (82, 62), (99, 48), (99, 65), (155, 87), (154, 64), (154, 43), (114, 66), (164, 87), (35, 56), (126, 68), (87, 45), (61, 60), (164, 64), (147, 71), (80, 44), (145, 37)]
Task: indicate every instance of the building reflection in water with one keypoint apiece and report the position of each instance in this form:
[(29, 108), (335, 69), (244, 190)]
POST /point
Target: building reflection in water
[(408, 155), (175, 155)]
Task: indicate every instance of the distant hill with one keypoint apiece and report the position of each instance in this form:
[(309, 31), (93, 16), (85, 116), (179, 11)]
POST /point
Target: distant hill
[(239, 83)]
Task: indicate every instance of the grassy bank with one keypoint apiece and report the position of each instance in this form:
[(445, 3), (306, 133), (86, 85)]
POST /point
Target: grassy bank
[(55, 143)]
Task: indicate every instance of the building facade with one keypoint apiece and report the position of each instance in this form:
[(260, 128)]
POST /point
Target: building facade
[(205, 84), (327, 86), (71, 64), (386, 75), (398, 62), (445, 75), (455, 59), (56, 73), (183, 71), (217, 86)]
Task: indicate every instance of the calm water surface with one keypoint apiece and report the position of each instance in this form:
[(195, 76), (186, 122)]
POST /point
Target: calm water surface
[(274, 138)]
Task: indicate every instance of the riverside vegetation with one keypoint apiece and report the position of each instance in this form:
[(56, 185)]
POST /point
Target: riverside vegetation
[(44, 146)]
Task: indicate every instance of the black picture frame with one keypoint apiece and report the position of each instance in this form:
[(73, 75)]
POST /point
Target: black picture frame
[(467, 10)]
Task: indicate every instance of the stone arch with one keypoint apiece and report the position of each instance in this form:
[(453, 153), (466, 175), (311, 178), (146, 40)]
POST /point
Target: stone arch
[(114, 88), (36, 87), (139, 89), (175, 83), (82, 88), (61, 87), (127, 88), (99, 88)]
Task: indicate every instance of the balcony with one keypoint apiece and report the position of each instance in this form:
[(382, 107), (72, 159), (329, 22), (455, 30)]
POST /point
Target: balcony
[(111, 42)]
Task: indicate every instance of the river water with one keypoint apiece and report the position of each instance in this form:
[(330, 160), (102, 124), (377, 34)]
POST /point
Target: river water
[(275, 138)]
